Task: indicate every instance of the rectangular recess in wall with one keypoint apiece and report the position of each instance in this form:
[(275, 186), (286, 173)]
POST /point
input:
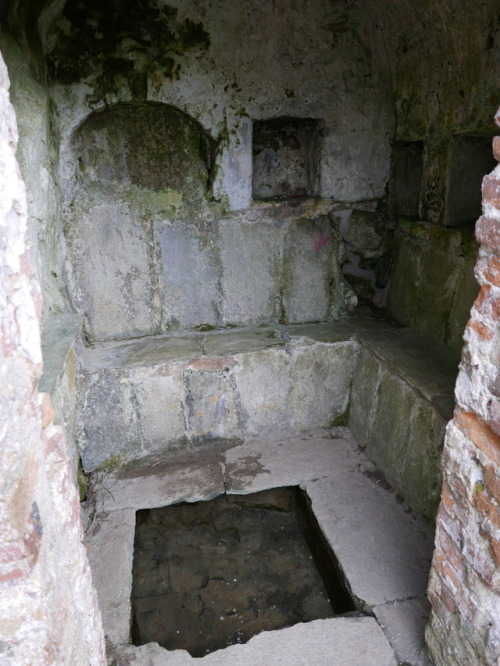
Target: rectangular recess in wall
[(470, 158), (285, 158), (406, 178)]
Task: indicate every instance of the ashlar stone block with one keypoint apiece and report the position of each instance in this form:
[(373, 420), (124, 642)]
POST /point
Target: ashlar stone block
[(189, 277), (365, 234), (466, 290), (402, 431), (404, 280), (390, 427), (320, 382), (159, 395), (310, 249), (422, 458), (363, 395), (106, 423), (111, 271), (250, 280), (435, 292), (432, 285), (211, 411), (262, 382)]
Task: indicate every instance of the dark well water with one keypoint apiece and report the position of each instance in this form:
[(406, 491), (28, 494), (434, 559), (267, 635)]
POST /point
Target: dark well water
[(211, 574)]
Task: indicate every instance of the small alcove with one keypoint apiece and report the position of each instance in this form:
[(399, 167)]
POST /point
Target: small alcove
[(469, 160), (285, 158)]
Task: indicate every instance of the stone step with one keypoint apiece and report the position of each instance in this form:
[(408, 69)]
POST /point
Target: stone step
[(167, 394), (175, 393)]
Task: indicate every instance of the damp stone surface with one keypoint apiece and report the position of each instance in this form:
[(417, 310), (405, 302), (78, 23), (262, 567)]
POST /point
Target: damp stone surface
[(211, 574)]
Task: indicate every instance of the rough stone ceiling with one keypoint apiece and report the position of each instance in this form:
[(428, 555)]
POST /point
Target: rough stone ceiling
[(419, 20), (434, 25), (440, 50)]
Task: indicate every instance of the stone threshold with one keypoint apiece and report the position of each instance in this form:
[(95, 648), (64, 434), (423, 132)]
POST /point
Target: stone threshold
[(383, 550)]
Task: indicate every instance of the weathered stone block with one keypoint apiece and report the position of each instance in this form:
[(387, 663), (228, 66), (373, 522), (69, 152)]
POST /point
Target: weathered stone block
[(159, 395), (436, 287), (466, 289), (111, 269), (404, 624), (361, 142), (320, 381), (402, 431), (262, 382), (233, 179), (189, 278), (390, 426), (405, 276), (250, 281), (421, 465), (310, 247), (363, 395), (111, 548), (366, 234), (210, 406), (107, 425), (431, 283)]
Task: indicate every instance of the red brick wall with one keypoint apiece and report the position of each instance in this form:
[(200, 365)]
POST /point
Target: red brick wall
[(464, 587), (48, 608)]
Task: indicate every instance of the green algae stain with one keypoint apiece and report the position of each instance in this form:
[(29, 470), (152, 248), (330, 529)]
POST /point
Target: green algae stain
[(112, 463)]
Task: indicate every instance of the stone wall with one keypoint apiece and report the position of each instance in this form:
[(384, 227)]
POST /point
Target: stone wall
[(140, 223), (446, 88), (48, 608), (464, 586), (227, 66), (444, 58), (36, 155), (432, 284), (314, 109), (157, 397)]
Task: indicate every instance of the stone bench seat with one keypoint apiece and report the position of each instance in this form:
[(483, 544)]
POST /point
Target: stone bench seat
[(171, 393)]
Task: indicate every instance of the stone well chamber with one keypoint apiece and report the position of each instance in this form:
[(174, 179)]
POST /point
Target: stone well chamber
[(254, 221), (231, 204)]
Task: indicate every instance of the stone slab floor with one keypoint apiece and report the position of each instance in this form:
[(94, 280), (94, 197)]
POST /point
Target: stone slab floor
[(383, 550)]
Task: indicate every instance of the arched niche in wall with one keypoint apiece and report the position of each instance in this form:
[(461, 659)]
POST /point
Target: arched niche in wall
[(152, 146), (138, 165)]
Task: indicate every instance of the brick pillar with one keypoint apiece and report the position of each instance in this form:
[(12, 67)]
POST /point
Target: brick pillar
[(48, 608), (464, 587)]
